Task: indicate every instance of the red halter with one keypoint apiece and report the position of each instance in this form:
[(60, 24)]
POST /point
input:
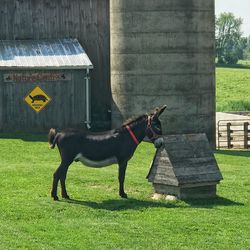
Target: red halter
[(149, 127), (132, 135)]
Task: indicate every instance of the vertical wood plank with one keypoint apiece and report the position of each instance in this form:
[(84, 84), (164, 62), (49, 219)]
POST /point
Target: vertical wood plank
[(87, 20)]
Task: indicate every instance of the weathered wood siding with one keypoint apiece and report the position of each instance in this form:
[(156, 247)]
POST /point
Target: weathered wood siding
[(185, 167), (184, 159), (86, 20), (66, 108)]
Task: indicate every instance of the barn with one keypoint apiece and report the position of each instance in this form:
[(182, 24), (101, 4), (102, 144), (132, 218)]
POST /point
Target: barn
[(43, 84), (145, 54), (88, 22)]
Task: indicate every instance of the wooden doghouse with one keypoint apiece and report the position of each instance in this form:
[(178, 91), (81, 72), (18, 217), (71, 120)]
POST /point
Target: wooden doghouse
[(185, 167)]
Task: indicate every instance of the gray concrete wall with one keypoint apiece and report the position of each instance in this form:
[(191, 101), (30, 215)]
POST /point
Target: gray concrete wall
[(162, 52)]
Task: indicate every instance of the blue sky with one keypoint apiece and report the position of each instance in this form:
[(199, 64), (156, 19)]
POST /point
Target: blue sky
[(240, 8)]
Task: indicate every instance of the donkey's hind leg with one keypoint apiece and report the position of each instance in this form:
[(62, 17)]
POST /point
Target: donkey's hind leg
[(121, 178), (58, 175), (63, 185)]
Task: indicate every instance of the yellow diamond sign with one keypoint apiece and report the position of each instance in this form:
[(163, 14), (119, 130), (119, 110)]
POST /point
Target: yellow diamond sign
[(37, 99)]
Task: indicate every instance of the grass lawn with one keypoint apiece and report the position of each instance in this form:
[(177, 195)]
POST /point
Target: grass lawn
[(233, 87), (96, 218)]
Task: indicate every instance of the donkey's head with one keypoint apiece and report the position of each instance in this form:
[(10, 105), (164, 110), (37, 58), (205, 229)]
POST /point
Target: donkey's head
[(154, 130)]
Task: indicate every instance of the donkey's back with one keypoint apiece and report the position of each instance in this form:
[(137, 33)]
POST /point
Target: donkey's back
[(97, 147)]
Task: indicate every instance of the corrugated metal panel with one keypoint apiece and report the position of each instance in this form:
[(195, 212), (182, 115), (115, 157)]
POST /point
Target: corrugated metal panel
[(45, 54)]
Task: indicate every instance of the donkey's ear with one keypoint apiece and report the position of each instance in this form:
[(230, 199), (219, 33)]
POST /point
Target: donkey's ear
[(160, 110)]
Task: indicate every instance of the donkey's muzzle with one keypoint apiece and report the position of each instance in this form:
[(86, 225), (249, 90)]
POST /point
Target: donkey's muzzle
[(159, 142)]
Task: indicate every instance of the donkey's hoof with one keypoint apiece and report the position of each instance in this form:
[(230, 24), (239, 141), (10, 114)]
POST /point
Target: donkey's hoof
[(124, 195), (66, 197), (55, 198)]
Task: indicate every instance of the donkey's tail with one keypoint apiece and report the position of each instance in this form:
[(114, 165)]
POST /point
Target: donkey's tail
[(52, 137)]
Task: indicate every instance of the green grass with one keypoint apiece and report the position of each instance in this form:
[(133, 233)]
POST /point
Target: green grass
[(96, 218), (233, 87)]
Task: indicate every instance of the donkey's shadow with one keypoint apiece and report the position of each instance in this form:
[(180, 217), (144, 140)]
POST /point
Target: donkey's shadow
[(122, 204), (135, 204)]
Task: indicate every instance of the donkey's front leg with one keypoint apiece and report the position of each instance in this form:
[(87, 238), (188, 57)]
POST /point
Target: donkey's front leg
[(121, 177)]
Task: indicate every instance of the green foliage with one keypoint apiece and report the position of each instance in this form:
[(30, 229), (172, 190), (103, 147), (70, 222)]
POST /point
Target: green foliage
[(246, 53), (96, 218), (229, 43), (233, 88)]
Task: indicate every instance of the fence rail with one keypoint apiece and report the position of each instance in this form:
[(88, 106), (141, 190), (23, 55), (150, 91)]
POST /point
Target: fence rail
[(233, 134)]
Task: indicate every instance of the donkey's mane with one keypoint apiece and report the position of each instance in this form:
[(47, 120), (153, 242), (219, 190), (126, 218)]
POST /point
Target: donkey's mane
[(134, 119)]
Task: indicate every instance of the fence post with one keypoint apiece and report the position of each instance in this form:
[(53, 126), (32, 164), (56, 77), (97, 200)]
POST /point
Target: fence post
[(229, 138), (218, 135), (246, 134)]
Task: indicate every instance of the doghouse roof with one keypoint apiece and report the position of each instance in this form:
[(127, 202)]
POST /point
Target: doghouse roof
[(184, 160), (43, 54)]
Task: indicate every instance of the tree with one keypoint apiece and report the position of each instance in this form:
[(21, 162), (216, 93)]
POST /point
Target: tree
[(246, 54), (229, 43)]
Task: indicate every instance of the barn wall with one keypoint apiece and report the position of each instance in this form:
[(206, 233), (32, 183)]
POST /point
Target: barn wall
[(66, 108), (87, 20), (162, 52)]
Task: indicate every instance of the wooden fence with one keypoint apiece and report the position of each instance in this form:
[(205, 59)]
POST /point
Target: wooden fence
[(233, 133)]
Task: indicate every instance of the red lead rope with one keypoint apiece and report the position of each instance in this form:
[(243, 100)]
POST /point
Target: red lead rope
[(132, 135)]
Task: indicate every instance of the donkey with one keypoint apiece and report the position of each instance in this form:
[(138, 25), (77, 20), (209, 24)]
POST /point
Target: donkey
[(100, 150)]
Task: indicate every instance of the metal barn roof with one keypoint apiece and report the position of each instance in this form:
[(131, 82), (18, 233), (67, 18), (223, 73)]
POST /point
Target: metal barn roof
[(43, 54)]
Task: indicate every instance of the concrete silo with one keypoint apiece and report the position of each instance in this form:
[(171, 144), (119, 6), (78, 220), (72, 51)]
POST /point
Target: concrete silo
[(162, 52)]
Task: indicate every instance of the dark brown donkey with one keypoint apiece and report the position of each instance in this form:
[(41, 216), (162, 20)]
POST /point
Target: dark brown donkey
[(100, 150)]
